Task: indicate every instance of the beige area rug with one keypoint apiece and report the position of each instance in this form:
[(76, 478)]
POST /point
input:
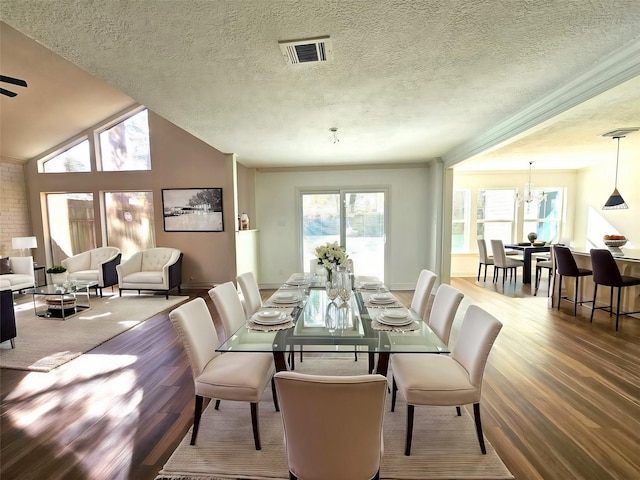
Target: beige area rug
[(445, 446), (43, 344)]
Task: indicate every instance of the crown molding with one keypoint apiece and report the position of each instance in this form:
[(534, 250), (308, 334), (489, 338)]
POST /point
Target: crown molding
[(620, 66)]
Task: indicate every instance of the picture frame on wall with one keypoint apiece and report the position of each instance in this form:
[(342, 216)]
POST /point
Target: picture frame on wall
[(192, 209)]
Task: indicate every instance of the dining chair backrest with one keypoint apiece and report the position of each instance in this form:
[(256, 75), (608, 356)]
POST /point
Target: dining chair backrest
[(443, 311), (422, 293), (250, 293), (499, 256), (192, 321), (225, 298), (605, 268), (350, 405), (482, 250), (478, 331), (565, 263)]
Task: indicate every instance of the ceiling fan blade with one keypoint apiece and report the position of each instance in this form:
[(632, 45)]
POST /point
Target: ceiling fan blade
[(14, 81), (7, 93)]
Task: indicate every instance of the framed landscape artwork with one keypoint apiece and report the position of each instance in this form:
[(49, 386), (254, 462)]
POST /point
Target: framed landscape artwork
[(192, 209)]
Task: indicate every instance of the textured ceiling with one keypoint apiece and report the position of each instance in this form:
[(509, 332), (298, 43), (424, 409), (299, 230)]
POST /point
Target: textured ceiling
[(409, 81)]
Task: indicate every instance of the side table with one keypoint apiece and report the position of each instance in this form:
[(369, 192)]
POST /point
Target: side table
[(39, 268)]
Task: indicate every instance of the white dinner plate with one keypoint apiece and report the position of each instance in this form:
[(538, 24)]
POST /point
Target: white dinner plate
[(370, 285), (268, 314), (382, 298), (279, 318), (285, 298), (395, 321)]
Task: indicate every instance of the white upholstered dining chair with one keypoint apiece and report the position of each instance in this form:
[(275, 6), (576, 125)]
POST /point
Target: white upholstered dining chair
[(422, 293), (230, 376), (252, 301), (443, 311), (502, 262), (332, 425), (442, 380), (483, 258)]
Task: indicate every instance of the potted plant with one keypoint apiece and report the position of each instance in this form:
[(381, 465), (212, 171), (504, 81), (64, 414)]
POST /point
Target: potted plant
[(58, 274)]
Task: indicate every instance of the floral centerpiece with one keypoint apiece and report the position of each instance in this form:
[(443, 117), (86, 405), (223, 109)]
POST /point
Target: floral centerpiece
[(330, 255)]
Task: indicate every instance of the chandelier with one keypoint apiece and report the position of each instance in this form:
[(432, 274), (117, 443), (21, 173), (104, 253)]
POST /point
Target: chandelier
[(529, 194)]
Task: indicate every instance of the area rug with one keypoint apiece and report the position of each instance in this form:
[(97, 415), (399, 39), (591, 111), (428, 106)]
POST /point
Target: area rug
[(46, 343), (445, 446)]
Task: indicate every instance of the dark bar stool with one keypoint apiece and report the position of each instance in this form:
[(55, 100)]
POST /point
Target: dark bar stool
[(606, 272), (566, 267)]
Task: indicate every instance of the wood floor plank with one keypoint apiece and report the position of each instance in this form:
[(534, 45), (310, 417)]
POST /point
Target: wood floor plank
[(561, 397)]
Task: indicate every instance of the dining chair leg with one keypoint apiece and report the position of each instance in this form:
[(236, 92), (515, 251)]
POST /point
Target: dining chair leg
[(479, 270), (407, 445), (254, 424), (485, 272), (458, 411), (196, 419), (217, 405), (274, 393), (394, 390), (292, 476), (610, 301), (476, 415), (538, 272)]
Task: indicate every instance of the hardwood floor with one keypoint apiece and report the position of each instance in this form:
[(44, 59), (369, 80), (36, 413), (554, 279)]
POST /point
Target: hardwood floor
[(561, 397)]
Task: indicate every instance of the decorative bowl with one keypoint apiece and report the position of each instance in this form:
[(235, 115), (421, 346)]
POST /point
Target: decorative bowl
[(615, 243)]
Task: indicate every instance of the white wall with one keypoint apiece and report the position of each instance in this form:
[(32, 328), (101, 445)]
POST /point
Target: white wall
[(410, 218), (466, 265), (595, 186)]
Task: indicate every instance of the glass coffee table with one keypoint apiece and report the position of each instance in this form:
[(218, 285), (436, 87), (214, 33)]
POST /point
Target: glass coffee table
[(61, 301)]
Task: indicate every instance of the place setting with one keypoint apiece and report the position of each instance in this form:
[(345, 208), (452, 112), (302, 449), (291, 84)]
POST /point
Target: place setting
[(382, 300), (270, 320), (397, 320), (284, 299)]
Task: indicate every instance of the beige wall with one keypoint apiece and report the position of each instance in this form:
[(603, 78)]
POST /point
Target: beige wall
[(179, 160), (14, 210)]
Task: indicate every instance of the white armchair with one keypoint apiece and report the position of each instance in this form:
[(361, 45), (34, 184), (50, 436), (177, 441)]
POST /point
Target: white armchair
[(96, 265), (17, 273), (156, 269)]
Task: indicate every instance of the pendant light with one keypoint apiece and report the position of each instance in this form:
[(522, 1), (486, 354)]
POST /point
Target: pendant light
[(529, 194), (615, 201)]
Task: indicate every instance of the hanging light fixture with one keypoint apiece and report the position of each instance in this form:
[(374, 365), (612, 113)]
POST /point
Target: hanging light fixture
[(616, 202), (334, 130), (529, 195)]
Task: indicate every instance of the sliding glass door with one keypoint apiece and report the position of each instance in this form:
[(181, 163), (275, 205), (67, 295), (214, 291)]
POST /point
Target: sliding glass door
[(354, 219)]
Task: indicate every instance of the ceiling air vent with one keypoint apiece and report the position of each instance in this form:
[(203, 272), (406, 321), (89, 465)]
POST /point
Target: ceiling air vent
[(310, 50), (621, 132)]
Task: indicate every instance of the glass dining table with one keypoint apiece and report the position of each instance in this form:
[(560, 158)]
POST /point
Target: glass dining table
[(328, 325)]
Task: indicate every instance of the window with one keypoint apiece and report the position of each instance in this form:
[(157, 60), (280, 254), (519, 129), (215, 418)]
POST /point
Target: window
[(460, 227), (496, 214), (543, 217), (125, 146), (71, 224), (74, 159), (129, 221)]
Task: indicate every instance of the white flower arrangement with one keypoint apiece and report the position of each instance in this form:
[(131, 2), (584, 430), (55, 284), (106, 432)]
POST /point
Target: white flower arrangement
[(331, 254)]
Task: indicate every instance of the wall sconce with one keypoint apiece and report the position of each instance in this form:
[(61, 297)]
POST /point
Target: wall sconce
[(25, 244)]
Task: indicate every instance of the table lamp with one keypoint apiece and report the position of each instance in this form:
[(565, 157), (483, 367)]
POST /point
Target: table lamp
[(25, 244)]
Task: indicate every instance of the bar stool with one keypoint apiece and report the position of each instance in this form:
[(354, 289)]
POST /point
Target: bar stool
[(566, 267), (606, 272), (543, 262)]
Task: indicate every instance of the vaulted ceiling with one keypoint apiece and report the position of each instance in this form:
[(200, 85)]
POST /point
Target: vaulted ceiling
[(408, 81)]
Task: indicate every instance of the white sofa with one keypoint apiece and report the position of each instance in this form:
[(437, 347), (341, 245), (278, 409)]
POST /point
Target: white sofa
[(22, 275), (96, 265), (156, 269)]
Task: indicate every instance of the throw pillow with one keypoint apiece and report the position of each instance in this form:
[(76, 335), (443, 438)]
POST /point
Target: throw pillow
[(5, 266)]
